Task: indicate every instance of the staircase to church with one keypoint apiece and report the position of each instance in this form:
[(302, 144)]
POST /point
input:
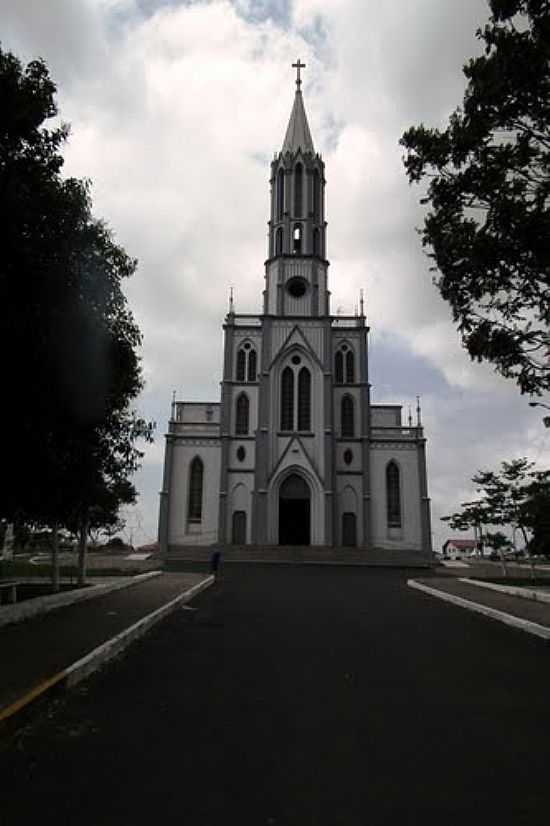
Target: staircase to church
[(298, 554)]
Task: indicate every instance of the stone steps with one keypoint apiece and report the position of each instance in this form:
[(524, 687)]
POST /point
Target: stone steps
[(299, 555)]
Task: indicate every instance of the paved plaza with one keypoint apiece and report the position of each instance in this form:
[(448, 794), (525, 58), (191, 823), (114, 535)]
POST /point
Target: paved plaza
[(296, 696)]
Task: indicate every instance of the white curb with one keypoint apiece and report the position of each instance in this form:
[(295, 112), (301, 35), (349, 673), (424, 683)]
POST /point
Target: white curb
[(513, 590), (493, 613), (103, 653), (106, 651), (42, 605)]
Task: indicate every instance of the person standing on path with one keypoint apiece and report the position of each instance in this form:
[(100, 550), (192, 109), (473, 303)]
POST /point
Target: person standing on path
[(215, 562)]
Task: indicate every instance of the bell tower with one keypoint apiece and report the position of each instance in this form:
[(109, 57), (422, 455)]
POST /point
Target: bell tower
[(296, 269)]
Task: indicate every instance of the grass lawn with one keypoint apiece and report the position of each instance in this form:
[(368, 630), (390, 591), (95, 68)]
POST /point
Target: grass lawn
[(23, 568), (521, 582)]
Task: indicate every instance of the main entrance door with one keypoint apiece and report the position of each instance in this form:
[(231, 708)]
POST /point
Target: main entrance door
[(294, 512)]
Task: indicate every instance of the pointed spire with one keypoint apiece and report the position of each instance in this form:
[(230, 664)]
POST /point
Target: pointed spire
[(298, 135)]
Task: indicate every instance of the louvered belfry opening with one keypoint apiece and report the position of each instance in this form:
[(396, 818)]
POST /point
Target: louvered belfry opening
[(287, 399), (304, 399), (393, 495), (347, 417), (242, 415), (196, 473)]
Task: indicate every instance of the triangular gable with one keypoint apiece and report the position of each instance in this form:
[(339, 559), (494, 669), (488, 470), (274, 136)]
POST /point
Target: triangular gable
[(297, 334), (287, 460)]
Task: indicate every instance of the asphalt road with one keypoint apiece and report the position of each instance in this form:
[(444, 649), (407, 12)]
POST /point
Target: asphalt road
[(297, 697)]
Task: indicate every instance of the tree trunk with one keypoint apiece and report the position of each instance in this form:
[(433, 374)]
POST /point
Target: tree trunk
[(503, 562), (55, 558), (528, 552), (83, 549)]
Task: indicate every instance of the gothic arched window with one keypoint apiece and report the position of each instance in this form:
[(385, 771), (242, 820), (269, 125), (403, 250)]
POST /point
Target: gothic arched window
[(279, 241), (393, 495), (252, 368), (347, 417), (196, 473), (298, 190), (287, 399), (242, 414), (297, 239), (241, 365), (316, 196), (280, 193), (247, 363), (350, 367), (339, 367), (304, 399)]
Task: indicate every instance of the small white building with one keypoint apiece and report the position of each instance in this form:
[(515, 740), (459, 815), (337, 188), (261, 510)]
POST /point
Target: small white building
[(459, 548), (294, 453)]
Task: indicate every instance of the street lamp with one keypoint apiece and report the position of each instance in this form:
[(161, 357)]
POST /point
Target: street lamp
[(546, 419)]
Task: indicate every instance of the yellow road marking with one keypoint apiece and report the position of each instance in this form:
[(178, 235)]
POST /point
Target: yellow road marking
[(30, 696)]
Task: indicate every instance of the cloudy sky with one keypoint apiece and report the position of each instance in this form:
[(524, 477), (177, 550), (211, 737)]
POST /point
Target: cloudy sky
[(176, 107)]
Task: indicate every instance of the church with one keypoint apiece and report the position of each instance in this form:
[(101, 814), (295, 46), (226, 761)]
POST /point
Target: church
[(294, 453)]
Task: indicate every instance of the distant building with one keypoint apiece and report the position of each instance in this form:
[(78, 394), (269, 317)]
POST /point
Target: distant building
[(295, 453), (457, 548)]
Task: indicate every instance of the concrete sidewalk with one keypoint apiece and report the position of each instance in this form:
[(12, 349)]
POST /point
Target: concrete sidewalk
[(75, 640), (518, 611)]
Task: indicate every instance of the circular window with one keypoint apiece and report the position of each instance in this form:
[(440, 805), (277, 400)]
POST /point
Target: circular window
[(348, 457), (296, 287), (296, 360), (344, 347), (241, 453), (247, 346)]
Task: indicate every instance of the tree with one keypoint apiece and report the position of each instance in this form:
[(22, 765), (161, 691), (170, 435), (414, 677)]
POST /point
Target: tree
[(488, 174), (70, 433), (517, 496)]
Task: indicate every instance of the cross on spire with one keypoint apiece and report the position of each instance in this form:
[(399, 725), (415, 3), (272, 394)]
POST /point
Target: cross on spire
[(298, 65)]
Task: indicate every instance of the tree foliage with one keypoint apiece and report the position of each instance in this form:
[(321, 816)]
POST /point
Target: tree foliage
[(488, 189), (70, 343), (516, 496)]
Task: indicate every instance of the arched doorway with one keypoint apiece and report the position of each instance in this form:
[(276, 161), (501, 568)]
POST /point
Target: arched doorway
[(294, 511)]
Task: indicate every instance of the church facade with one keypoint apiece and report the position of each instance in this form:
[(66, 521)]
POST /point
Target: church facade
[(294, 453)]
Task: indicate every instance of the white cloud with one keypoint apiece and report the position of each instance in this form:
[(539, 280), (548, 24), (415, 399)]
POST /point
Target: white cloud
[(176, 109)]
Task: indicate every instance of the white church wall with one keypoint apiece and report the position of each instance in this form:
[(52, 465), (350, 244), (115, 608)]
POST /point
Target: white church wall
[(180, 530), (356, 457), (249, 461), (198, 412), (407, 461), (273, 270), (285, 334), (387, 415)]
